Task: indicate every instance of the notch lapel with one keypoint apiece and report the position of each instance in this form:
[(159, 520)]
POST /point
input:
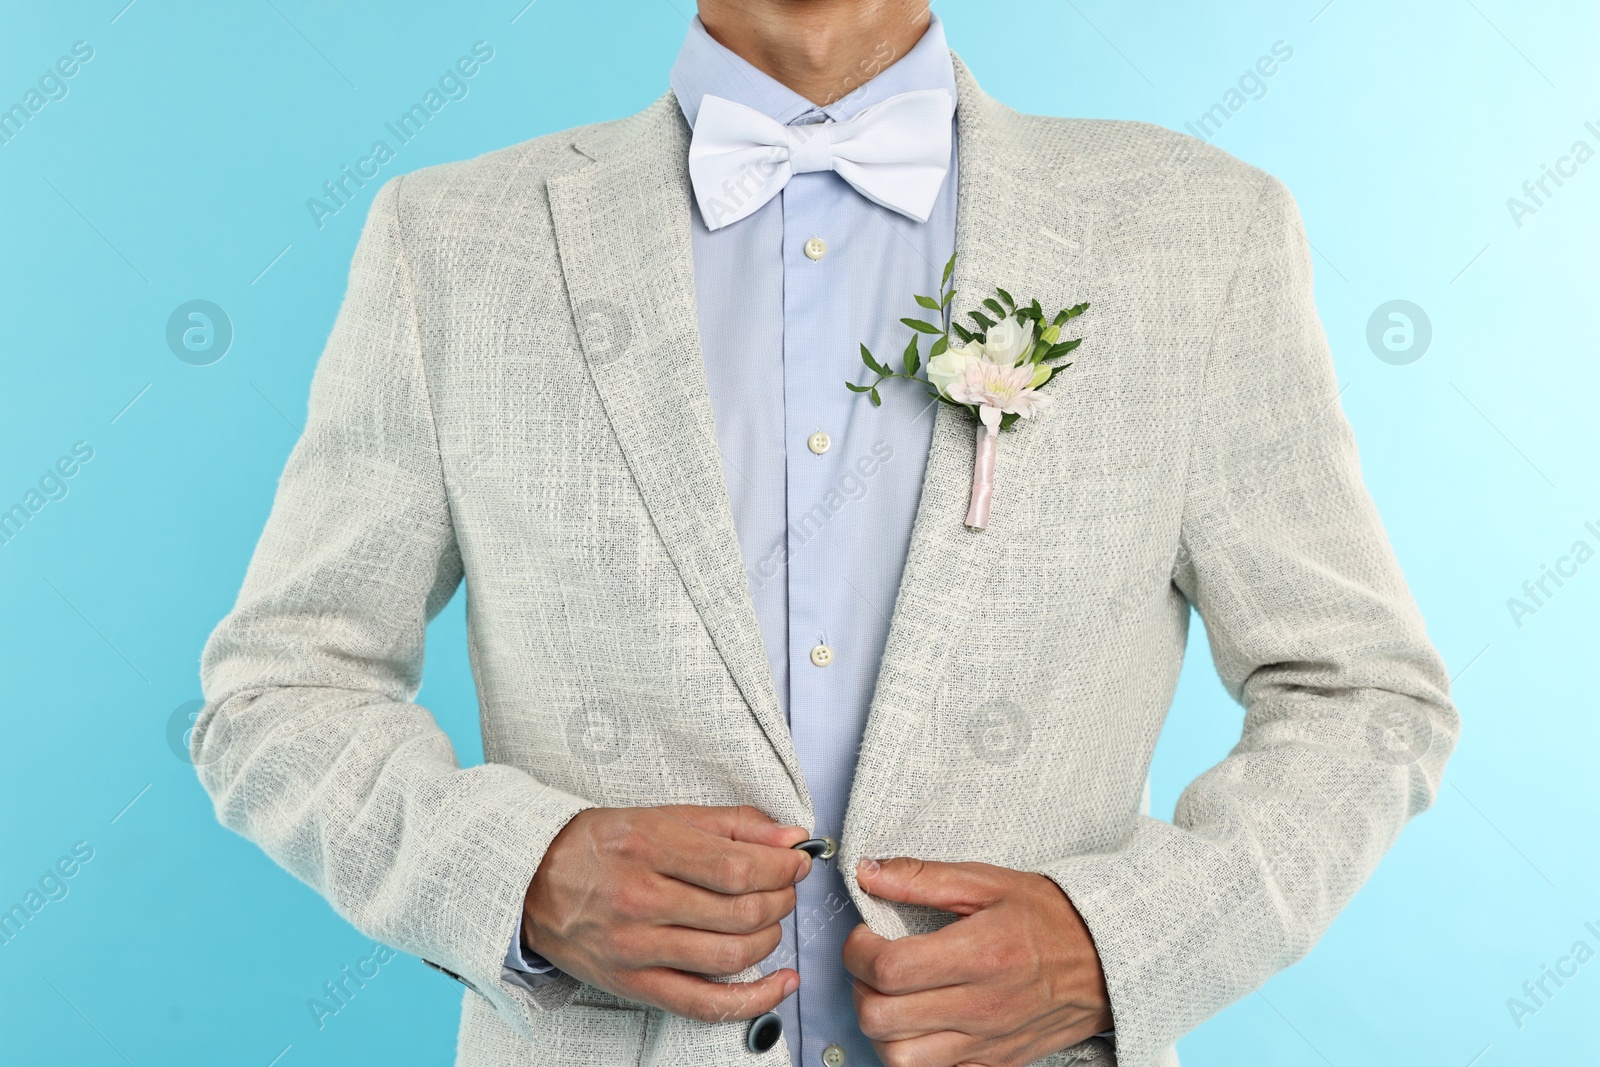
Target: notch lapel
[(622, 232)]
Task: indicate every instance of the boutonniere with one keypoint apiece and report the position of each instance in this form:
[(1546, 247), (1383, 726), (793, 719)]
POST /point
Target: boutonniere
[(995, 372)]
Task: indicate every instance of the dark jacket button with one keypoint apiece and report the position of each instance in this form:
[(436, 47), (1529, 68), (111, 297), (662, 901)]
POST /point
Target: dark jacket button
[(764, 1032)]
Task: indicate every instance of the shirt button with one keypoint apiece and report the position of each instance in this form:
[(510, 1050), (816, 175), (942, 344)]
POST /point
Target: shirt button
[(832, 848), (833, 1056), (816, 248), (822, 655), (819, 442)]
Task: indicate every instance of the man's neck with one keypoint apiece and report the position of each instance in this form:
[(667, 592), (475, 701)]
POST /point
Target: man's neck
[(822, 49)]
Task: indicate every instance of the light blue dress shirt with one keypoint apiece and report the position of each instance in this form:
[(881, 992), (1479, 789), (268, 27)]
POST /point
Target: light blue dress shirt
[(824, 486)]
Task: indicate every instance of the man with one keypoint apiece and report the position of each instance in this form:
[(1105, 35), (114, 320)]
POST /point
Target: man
[(719, 605)]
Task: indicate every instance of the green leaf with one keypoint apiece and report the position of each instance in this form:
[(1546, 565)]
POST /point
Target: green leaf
[(922, 327), (929, 302), (1008, 421), (981, 319), (910, 360), (854, 388), (877, 401), (948, 269), (962, 332), (947, 298), (1010, 303), (994, 305), (1057, 351), (940, 347), (872, 364)]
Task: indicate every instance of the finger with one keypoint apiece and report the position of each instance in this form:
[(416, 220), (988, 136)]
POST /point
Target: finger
[(911, 964), (959, 887), (965, 1009), (742, 823), (944, 1049), (691, 854), (671, 902), (699, 998), (695, 951)]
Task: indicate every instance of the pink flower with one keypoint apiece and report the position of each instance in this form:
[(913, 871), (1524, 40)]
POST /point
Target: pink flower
[(997, 389)]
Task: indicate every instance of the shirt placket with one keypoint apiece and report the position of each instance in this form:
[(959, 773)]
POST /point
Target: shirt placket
[(816, 440)]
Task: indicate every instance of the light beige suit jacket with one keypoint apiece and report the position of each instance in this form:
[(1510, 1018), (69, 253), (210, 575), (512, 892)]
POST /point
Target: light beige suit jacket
[(513, 396)]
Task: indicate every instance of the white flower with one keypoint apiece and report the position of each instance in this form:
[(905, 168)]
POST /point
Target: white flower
[(1007, 340), (951, 364), (1004, 344)]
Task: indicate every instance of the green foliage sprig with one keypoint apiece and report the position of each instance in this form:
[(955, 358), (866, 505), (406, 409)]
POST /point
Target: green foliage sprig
[(1046, 348)]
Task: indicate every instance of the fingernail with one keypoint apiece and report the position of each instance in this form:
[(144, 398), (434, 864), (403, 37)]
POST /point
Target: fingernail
[(790, 985), (867, 867)]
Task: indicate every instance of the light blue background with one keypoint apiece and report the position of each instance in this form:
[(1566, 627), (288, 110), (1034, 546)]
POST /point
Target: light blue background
[(177, 168)]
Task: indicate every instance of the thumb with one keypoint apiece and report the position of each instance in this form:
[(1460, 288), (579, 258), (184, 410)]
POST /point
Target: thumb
[(959, 887)]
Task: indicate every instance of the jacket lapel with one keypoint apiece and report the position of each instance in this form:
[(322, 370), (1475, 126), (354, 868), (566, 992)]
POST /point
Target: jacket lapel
[(622, 230), (947, 563)]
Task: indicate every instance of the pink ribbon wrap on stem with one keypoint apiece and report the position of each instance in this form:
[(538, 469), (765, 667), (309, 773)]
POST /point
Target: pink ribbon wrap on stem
[(982, 478)]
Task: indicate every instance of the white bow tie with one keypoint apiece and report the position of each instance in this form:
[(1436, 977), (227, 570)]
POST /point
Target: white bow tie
[(895, 153)]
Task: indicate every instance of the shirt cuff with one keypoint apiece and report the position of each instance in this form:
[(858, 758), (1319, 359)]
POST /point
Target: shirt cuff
[(526, 970)]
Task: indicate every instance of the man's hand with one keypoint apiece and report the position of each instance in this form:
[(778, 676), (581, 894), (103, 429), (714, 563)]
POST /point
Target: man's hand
[(629, 899), (1013, 980)]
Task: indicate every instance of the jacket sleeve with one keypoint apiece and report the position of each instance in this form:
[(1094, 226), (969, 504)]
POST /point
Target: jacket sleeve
[(1347, 720), (310, 743)]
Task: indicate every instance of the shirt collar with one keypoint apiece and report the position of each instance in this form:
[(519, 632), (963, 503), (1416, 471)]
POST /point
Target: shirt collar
[(705, 67)]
